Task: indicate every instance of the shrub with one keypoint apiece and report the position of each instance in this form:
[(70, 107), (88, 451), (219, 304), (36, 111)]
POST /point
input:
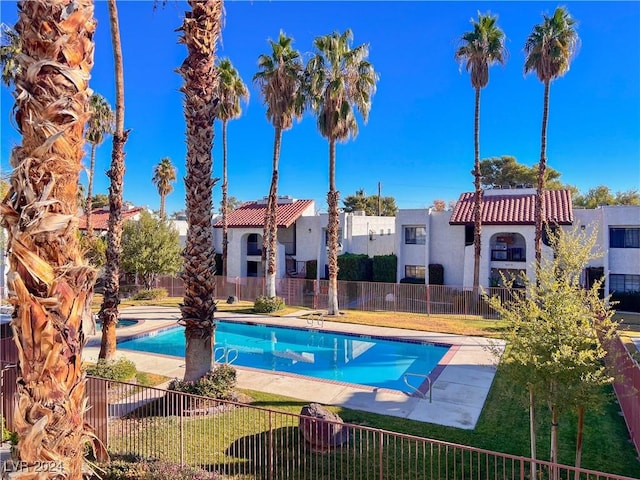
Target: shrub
[(152, 470), (384, 268), (268, 304), (311, 270), (151, 294), (6, 434), (119, 370), (354, 267), (219, 384), (436, 274)]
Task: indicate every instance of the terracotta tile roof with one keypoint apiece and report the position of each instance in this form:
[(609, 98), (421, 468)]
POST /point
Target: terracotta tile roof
[(100, 218), (515, 209), (251, 214)]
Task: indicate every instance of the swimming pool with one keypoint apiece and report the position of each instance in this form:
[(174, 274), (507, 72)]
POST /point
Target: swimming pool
[(327, 355)]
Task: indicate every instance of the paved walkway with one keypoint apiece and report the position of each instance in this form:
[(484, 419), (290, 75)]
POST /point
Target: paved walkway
[(458, 394)]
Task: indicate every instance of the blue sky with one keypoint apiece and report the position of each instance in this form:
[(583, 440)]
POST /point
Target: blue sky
[(419, 139)]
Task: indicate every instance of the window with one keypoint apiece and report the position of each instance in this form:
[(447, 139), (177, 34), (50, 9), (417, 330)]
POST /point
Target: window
[(469, 232), (414, 271), (253, 247), (624, 237), (415, 235), (624, 283)]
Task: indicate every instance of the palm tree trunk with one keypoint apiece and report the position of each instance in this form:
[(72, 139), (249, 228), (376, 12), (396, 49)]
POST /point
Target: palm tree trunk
[(89, 203), (51, 284), (332, 232), (271, 221), (478, 198), (225, 208), (542, 167), (162, 197), (111, 298), (201, 28)]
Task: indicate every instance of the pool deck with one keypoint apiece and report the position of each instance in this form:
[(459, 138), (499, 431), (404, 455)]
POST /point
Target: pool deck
[(458, 393)]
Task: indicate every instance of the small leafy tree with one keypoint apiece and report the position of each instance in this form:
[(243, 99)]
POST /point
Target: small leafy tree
[(371, 204), (556, 332), (150, 247)]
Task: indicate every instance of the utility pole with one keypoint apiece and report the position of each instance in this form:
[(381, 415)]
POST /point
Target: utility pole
[(379, 191)]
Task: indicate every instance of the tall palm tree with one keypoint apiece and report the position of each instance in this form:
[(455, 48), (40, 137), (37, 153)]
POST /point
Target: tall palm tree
[(111, 296), (51, 284), (230, 91), (200, 31), (341, 81), (549, 49), (164, 174), (100, 124), (480, 48), (280, 79)]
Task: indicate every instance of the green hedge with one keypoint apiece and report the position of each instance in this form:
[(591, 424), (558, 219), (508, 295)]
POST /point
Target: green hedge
[(355, 267), (268, 304), (384, 268), (118, 370), (151, 294), (436, 274), (311, 270)]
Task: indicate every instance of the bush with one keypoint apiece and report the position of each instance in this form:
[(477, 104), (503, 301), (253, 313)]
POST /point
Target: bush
[(384, 268), (268, 304), (151, 294), (219, 384), (153, 470), (311, 270), (119, 370), (436, 274), (417, 281), (354, 267)]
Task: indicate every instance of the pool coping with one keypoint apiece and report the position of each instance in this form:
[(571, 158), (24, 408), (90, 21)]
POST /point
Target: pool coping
[(464, 375)]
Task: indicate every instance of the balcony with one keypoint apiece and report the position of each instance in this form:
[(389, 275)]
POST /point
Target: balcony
[(510, 254)]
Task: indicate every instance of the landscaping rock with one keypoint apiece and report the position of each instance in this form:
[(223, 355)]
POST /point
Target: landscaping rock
[(323, 429), (232, 299)]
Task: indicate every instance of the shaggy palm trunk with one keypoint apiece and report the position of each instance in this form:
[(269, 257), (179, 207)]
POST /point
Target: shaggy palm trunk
[(50, 283), (542, 167), (89, 203), (201, 28), (162, 197), (225, 208), (111, 297), (477, 206), (271, 221), (332, 232)]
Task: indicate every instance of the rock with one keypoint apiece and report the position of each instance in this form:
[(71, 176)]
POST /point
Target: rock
[(232, 299), (323, 429)]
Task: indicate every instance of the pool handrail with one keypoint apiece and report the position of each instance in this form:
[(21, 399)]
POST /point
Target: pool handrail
[(417, 390), (316, 317), (225, 355)]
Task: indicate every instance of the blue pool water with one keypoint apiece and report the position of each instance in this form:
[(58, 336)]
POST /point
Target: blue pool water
[(331, 356)]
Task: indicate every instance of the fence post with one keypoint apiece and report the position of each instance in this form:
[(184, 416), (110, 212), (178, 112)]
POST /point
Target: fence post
[(380, 449), (428, 300), (271, 456), (181, 413)]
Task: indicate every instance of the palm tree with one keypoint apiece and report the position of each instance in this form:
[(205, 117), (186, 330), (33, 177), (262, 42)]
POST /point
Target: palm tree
[(341, 81), (111, 296), (479, 49), (200, 32), (164, 174), (51, 284), (549, 50), (100, 124), (280, 81), (230, 91)]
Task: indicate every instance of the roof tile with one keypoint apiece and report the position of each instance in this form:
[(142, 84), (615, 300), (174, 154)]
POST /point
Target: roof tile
[(100, 218), (251, 214), (518, 209)]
